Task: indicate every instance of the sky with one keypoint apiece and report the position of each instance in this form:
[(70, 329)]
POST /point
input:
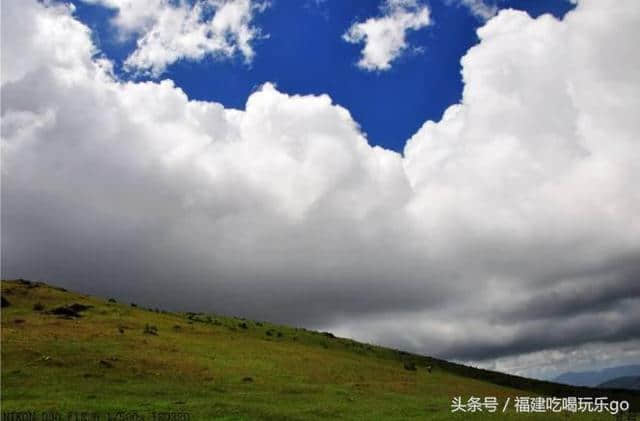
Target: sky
[(454, 178), (302, 51)]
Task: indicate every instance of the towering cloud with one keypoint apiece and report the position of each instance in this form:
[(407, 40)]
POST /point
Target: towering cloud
[(510, 228)]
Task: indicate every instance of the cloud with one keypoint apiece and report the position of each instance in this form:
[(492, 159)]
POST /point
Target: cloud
[(506, 232), (385, 37), (547, 364), (480, 9), (172, 31)]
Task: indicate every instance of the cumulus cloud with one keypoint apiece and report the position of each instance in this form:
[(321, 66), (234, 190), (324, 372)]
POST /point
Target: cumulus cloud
[(170, 31), (509, 229), (384, 37)]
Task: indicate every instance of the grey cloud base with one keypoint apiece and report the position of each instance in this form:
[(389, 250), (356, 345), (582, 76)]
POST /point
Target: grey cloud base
[(507, 232)]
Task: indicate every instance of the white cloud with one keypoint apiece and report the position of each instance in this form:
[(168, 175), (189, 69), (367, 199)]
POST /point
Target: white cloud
[(480, 9), (67, 49), (548, 364), (134, 16), (470, 246), (385, 37), (170, 31)]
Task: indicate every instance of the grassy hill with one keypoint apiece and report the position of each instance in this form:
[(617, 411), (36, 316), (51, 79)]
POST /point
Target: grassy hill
[(65, 351)]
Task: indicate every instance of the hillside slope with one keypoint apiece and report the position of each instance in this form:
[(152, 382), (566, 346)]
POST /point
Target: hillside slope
[(69, 352)]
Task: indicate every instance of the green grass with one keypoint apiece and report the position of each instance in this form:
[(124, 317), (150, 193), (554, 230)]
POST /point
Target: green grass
[(200, 363)]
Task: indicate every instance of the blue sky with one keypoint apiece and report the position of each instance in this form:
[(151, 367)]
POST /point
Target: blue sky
[(304, 53)]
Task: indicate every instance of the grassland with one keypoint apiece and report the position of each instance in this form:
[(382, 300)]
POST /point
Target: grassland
[(116, 357)]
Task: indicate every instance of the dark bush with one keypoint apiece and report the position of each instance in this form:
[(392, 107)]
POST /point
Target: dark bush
[(247, 379), (329, 335), (70, 311), (38, 307), (410, 365), (280, 335), (112, 300), (269, 332), (5, 302), (79, 307), (134, 305), (105, 364), (243, 325), (150, 330)]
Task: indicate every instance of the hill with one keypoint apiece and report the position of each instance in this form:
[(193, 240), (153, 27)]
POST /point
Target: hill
[(63, 351), (627, 382), (597, 377)]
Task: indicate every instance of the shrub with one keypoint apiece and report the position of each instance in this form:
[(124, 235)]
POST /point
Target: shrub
[(134, 305), (243, 325), (112, 300), (105, 364), (79, 307), (150, 330), (38, 307), (69, 311), (409, 365)]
